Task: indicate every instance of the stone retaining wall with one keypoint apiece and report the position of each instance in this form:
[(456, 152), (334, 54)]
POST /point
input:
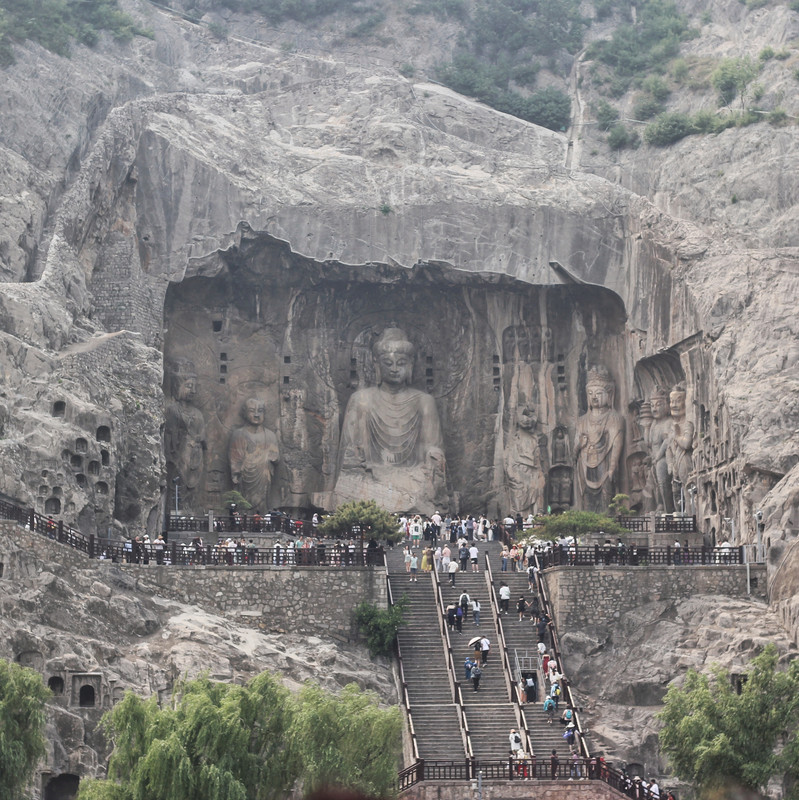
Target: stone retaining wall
[(523, 790), (314, 601), (592, 598)]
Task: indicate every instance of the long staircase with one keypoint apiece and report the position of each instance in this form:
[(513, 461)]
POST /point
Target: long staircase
[(521, 639), (435, 717)]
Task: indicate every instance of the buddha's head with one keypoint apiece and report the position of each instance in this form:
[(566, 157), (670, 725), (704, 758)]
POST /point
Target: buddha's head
[(677, 401), (660, 403), (184, 379), (393, 355), (254, 411), (600, 388)]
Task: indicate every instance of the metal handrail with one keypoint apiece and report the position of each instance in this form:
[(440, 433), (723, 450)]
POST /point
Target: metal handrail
[(455, 684), (567, 693), (513, 689), (406, 700), (640, 556)]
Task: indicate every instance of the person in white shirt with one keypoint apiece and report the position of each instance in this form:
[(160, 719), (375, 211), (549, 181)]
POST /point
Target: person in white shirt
[(473, 555)]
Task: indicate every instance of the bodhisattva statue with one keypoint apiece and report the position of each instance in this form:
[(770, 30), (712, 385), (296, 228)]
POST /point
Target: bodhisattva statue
[(391, 448), (184, 432), (253, 454), (598, 444), (679, 453), (523, 475), (657, 435)]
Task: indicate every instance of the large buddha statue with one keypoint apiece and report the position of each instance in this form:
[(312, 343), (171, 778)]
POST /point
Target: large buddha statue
[(184, 433), (253, 454), (598, 443), (391, 448)]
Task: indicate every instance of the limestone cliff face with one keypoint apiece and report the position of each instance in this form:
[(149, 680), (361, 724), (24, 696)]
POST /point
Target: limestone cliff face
[(243, 174)]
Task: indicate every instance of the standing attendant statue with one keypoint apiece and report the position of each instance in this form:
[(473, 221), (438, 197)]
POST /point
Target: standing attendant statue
[(391, 447), (184, 431), (679, 453), (253, 454), (598, 444)]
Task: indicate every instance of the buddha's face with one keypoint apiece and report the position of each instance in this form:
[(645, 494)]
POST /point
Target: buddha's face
[(598, 395), (187, 387), (677, 404), (254, 412), (395, 367), (658, 403)]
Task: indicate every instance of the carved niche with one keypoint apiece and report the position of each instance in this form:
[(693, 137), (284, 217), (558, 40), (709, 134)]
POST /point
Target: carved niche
[(497, 367)]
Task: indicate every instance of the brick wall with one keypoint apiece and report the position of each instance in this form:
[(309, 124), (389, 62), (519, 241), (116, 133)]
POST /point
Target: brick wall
[(314, 601), (510, 790), (592, 598)]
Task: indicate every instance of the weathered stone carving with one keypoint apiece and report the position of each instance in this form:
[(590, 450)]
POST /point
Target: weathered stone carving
[(391, 446), (679, 457), (598, 444), (523, 474), (638, 470), (184, 432), (253, 454), (560, 488), (656, 424), (560, 446)]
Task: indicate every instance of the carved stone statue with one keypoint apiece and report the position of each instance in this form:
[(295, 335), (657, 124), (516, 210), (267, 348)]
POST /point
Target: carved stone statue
[(679, 453), (560, 446), (598, 444), (253, 454), (391, 448), (523, 475), (560, 487), (657, 433), (184, 432)]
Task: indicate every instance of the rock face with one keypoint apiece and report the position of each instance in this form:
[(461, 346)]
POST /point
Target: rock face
[(256, 217), (95, 631)]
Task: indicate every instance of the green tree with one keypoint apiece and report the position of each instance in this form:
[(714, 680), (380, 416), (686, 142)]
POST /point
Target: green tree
[(373, 520), (719, 738), (22, 716), (221, 741), (578, 523), (380, 625), (346, 740), (732, 78)]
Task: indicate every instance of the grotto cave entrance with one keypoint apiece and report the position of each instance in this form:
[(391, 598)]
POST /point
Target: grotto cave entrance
[(296, 334), (62, 787)]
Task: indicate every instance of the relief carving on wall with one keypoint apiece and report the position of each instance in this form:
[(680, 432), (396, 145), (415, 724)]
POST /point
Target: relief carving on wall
[(184, 432), (253, 454)]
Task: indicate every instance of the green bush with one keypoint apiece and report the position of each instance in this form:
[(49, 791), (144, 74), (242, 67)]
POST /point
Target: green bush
[(407, 70), (619, 138), (380, 625), (646, 107), (766, 53), (649, 44), (732, 78), (54, 24), (668, 128), (657, 87), (606, 115)]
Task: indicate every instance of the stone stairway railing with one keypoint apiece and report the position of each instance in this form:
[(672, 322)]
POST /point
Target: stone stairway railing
[(513, 694)]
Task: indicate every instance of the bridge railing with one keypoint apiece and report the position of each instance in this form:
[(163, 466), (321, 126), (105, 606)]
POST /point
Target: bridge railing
[(512, 769), (638, 556), (513, 686)]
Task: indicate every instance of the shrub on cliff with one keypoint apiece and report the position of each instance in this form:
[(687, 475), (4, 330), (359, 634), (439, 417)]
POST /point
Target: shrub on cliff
[(578, 523), (380, 625)]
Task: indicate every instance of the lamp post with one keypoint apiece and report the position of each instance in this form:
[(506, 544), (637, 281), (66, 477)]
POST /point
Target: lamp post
[(759, 526), (176, 481)]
